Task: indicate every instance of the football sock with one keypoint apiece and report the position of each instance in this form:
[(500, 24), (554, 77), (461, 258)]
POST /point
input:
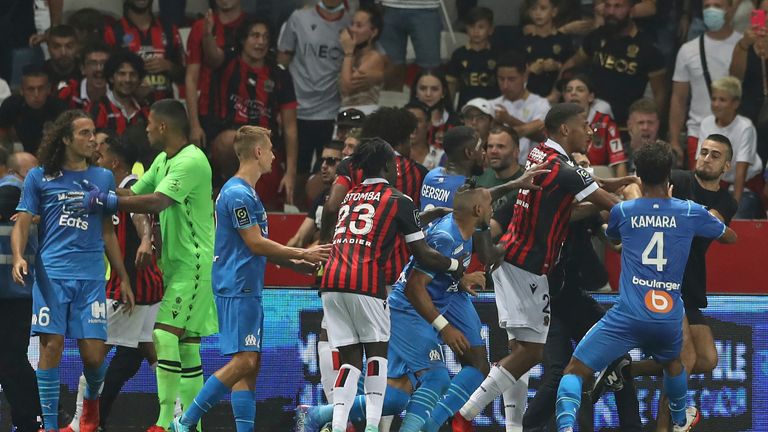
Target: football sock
[(497, 381), (48, 385), (244, 409), (168, 374), (75, 423), (209, 395), (94, 378), (676, 388), (344, 392), (328, 360), (191, 374), (568, 401), (375, 388), (433, 384), (122, 368), (515, 399), (462, 385), (394, 403)]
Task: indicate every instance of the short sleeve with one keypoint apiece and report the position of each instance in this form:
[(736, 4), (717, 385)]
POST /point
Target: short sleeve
[(576, 180), (541, 109), (746, 146), (245, 210), (442, 242), (182, 178), (148, 181), (681, 73), (30, 194), (407, 219), (615, 218), (287, 40), (704, 223), (195, 43)]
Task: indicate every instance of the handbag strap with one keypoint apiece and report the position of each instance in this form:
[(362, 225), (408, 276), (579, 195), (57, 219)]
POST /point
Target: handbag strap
[(704, 65)]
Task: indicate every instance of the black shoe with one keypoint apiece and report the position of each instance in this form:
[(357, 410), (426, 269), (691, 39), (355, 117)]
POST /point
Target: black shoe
[(611, 378)]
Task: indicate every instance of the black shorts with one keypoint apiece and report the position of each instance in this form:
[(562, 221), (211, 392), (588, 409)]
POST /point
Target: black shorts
[(695, 316)]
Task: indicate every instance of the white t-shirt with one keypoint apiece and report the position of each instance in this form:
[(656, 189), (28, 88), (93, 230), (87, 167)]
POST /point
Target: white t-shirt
[(743, 138), (599, 105), (534, 107), (688, 68)]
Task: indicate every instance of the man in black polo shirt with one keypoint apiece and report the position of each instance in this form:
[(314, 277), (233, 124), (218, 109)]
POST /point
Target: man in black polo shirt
[(23, 117), (623, 60)]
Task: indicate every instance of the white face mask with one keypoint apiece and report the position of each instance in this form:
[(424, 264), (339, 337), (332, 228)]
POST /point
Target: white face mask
[(714, 18)]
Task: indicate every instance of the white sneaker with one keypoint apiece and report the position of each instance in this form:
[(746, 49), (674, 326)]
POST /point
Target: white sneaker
[(692, 418)]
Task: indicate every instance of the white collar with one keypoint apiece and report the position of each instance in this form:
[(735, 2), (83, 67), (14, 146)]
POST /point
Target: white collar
[(374, 180), (128, 178), (121, 107), (83, 90), (557, 147)]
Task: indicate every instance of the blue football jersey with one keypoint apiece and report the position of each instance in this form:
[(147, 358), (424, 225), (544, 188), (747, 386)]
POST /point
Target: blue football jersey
[(656, 237), (438, 188), (69, 247), (237, 272), (444, 237)]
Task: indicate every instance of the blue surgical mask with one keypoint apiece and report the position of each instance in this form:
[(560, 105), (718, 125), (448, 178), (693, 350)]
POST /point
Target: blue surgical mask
[(714, 18)]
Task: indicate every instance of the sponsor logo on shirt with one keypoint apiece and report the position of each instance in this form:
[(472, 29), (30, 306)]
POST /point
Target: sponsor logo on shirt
[(98, 313), (242, 217)]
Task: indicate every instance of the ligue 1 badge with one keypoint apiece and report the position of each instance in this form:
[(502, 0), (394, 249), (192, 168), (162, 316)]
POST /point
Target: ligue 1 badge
[(269, 85)]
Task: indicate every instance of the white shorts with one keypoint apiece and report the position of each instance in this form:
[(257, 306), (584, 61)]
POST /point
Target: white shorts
[(522, 299), (129, 330), (355, 318)]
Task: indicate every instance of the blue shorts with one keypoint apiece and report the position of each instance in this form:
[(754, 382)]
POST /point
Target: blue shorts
[(413, 345), (241, 321), (461, 313), (616, 334), (76, 309)]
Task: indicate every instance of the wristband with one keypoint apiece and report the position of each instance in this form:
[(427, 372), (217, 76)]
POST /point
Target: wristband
[(110, 203), (439, 323), (454, 265)]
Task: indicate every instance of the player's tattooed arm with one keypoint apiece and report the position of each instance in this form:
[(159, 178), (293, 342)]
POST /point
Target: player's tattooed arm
[(487, 252), (525, 181), (434, 260), (112, 250), (427, 216), (143, 226), (416, 292)]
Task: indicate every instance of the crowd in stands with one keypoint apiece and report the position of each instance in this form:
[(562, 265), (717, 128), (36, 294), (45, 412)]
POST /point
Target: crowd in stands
[(645, 70)]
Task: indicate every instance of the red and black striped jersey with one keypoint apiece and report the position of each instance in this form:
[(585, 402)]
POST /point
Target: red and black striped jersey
[(410, 176), (224, 34), (60, 84), (253, 96), (539, 226), (106, 114), (372, 215), (147, 282), (158, 41), (606, 147)]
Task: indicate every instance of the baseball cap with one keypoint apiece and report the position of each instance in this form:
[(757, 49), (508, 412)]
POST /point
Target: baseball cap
[(484, 105), (350, 117)]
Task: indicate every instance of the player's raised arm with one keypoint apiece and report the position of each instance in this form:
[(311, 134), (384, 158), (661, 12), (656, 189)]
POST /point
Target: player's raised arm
[(331, 210)]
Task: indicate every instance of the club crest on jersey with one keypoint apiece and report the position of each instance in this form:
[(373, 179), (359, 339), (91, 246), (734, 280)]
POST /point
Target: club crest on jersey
[(242, 217), (434, 355)]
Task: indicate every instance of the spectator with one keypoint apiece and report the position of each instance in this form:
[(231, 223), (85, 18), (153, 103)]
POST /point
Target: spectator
[(546, 48), (478, 114), (351, 142), (158, 44), (211, 40), (252, 90), (89, 27), (502, 156), (310, 228), (62, 67), (23, 117), (623, 60), (517, 107), (472, 69), (746, 168), (309, 46), (642, 127), (93, 86), (5, 90), (747, 64), (427, 155), (362, 72), (431, 88), (689, 79), (605, 147), (347, 120), (120, 107), (419, 20)]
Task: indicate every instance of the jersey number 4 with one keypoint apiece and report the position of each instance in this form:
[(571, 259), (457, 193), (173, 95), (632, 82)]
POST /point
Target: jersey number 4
[(360, 216), (657, 244)]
